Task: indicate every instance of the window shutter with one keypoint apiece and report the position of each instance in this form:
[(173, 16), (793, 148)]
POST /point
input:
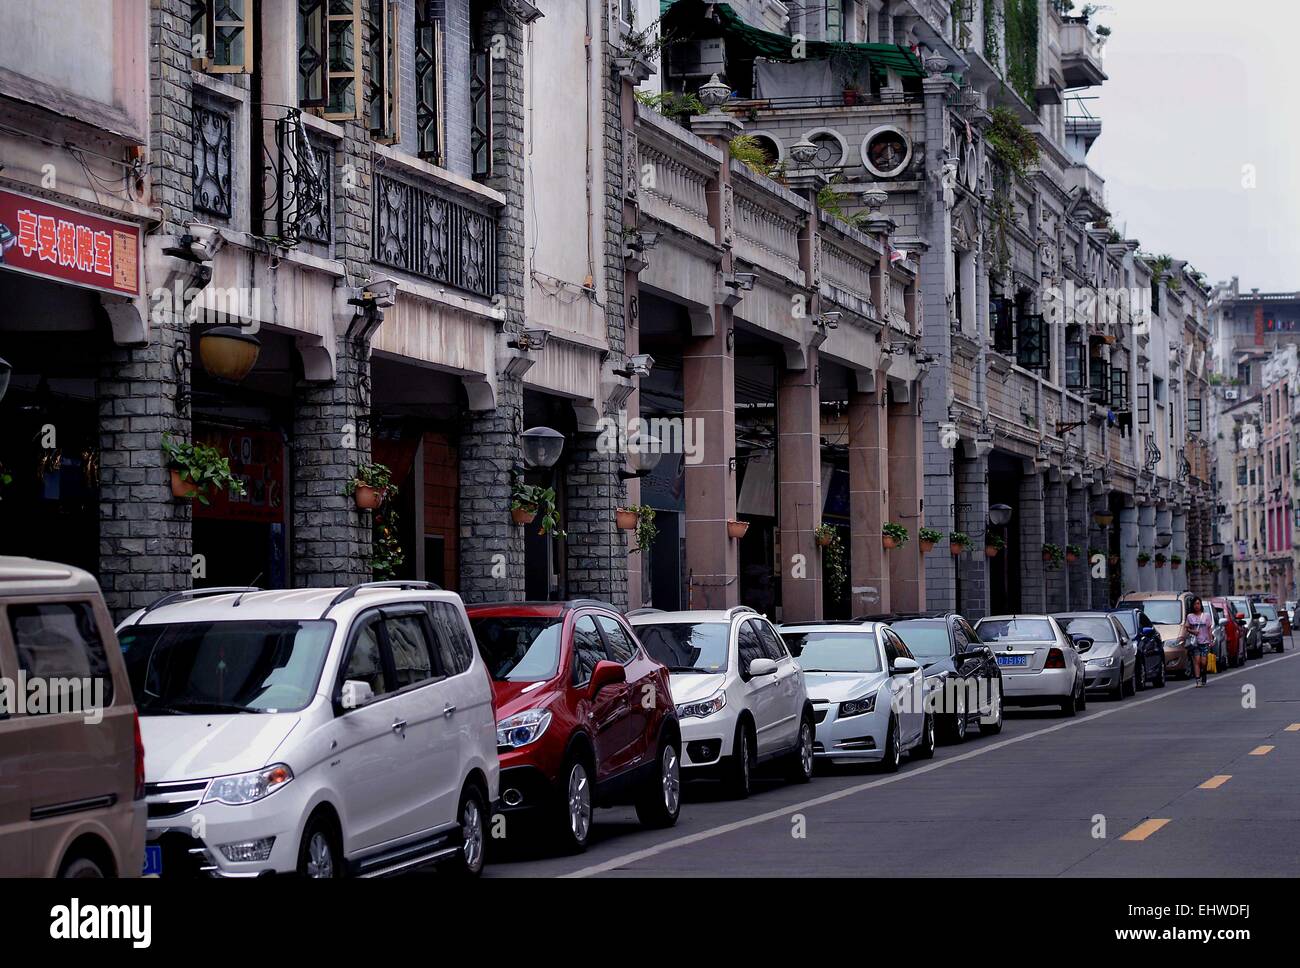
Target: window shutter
[(312, 45), (384, 111), (226, 27), (428, 86), (480, 101), (1031, 342), (343, 61)]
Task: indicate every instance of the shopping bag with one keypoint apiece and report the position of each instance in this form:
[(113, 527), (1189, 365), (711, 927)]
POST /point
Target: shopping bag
[(1211, 663)]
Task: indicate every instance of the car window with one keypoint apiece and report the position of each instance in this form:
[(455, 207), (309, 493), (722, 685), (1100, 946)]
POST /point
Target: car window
[(408, 642), (749, 646), (1126, 620), (619, 645), (927, 637), (1268, 611), (891, 643), (1097, 628), (365, 661), (588, 649), (1165, 611), (1016, 630), (852, 650), (687, 646), (453, 641), (519, 648), (60, 640), (773, 647)]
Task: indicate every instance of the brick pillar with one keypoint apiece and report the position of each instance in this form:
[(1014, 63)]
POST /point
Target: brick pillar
[(1127, 567), (595, 548), (1164, 522), (799, 491), (906, 574), (868, 497), (1055, 533), (331, 439), (1178, 578), (972, 518), (1078, 531), (1033, 597), (1146, 532)]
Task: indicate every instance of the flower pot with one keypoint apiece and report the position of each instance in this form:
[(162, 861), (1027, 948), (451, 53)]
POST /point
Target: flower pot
[(851, 96), (1143, 564), (1071, 558), (991, 551), (625, 519), (184, 488), (737, 529), (1160, 564), (523, 515), (368, 498), (926, 547), (956, 548), (888, 541), (824, 540)]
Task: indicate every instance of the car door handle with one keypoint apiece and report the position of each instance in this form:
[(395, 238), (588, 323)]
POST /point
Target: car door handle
[(399, 725), (448, 709)]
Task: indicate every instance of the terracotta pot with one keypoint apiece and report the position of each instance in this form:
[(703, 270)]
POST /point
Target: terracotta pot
[(1072, 558), (1160, 564), (927, 547), (851, 96), (1143, 564), (184, 488), (955, 548), (737, 529), (368, 498), (824, 540), (523, 515), (1175, 564), (625, 519), (888, 542), (991, 551)]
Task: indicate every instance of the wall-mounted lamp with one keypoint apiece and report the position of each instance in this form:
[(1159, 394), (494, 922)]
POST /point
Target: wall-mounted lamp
[(745, 280), (228, 352), (1102, 519), (830, 320), (541, 446), (999, 515), (1163, 538), (642, 458)]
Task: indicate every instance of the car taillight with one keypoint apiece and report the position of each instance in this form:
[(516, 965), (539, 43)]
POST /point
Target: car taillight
[(139, 758), (1055, 659)]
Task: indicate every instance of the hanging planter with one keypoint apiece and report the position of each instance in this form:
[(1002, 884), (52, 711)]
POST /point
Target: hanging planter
[(643, 520), (958, 542), (832, 559), (1072, 553), (993, 544), (196, 470), (625, 518), (1053, 555), (1160, 559), (824, 534), (1113, 560), (183, 488), (523, 515), (1143, 559), (894, 535), (528, 501), (737, 529), (929, 537), (1175, 561), (372, 486)]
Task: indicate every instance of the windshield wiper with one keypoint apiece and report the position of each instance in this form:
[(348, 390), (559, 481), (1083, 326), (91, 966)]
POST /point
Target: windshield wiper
[(201, 706)]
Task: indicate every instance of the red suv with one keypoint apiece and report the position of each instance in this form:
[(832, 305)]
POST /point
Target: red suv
[(585, 717)]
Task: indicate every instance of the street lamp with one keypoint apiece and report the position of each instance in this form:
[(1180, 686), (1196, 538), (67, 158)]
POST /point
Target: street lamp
[(1163, 538), (642, 457), (1217, 549), (1102, 519), (542, 446), (1000, 515), (227, 352)]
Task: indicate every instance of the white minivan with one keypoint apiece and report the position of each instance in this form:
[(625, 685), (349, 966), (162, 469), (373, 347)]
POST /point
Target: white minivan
[(327, 732)]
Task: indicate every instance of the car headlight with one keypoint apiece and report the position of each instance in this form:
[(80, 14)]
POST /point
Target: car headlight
[(703, 707), (522, 728), (857, 707), (1102, 661), (248, 787)]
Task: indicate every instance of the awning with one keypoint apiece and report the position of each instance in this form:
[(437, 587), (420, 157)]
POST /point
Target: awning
[(691, 18)]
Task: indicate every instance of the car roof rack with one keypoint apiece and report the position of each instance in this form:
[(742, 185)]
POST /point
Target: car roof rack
[(741, 609), (192, 593), (644, 610), (353, 590), (586, 603)]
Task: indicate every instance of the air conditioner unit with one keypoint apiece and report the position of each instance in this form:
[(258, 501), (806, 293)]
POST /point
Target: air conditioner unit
[(699, 58), (1231, 394)]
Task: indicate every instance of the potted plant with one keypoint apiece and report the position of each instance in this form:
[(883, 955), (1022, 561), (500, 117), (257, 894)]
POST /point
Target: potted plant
[(737, 529), (646, 529), (893, 535), (929, 538), (1160, 559), (1072, 552), (958, 541), (387, 554), (993, 543), (1093, 552), (625, 518), (1175, 561), (527, 501), (1053, 554), (197, 469), (852, 94), (1143, 559), (825, 535), (832, 558), (372, 486)]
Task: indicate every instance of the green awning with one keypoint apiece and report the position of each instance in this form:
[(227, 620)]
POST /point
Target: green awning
[(687, 18)]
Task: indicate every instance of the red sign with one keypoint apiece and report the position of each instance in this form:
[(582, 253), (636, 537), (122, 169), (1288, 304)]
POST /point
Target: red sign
[(56, 242), (257, 459)]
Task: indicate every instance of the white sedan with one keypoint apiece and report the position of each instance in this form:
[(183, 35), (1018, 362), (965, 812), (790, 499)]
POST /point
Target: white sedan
[(1040, 664)]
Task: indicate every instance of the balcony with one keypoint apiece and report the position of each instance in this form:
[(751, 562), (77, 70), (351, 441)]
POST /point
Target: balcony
[(1081, 55), (1091, 188)]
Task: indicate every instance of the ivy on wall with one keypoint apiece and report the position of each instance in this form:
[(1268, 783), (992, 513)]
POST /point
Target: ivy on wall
[(1020, 18)]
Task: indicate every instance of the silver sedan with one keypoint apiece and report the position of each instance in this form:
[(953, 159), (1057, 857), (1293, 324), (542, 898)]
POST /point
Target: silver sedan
[(1039, 662)]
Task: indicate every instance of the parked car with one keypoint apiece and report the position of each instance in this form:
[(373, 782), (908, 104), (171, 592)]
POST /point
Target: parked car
[(1169, 611), (1290, 611), (1271, 631), (1248, 615), (1229, 631), (868, 692), (585, 716), (740, 694), (960, 672), (1150, 651), (1041, 665), (71, 759), (1111, 664), (322, 731)]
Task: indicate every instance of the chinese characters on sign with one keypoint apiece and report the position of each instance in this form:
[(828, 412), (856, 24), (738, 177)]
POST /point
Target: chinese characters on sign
[(45, 239)]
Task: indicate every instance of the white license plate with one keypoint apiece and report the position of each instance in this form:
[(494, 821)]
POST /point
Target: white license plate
[(1013, 660)]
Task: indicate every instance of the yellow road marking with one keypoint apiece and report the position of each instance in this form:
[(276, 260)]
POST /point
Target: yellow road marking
[(1214, 782), (1261, 750), (1293, 728), (1144, 830)]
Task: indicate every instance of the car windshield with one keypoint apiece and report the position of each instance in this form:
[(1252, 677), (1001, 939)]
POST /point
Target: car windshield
[(1240, 607), (925, 640), (1127, 619), (1015, 630), (1095, 628), (1162, 611), (1268, 611), (854, 651), (687, 646), (519, 648), (225, 667)]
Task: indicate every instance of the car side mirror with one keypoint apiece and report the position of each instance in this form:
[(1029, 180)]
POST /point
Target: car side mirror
[(762, 667), (1082, 643), (605, 674), (354, 694), (901, 667), (1148, 629)]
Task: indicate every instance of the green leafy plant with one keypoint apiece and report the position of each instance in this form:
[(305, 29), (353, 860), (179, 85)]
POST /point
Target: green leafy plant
[(1073, 550), (1175, 560), (994, 540), (1143, 558), (646, 529), (672, 104), (540, 501), (1094, 551), (1053, 554), (931, 535), (1011, 142), (203, 467), (1160, 559), (896, 531), (832, 558), (746, 149), (959, 538), (378, 476), (1020, 30), (829, 202), (387, 555)]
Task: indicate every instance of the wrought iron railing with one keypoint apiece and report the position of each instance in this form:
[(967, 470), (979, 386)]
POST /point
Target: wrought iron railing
[(212, 161), (421, 230), (298, 202)]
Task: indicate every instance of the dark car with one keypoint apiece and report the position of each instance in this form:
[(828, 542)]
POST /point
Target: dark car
[(961, 670), (1271, 629), (585, 717), (1150, 649)]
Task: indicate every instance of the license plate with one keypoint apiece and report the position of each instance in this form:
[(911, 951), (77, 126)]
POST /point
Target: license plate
[(1013, 660), (152, 860)]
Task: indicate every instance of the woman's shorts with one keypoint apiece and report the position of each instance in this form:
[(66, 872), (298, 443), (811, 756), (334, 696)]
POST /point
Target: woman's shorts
[(1200, 649)]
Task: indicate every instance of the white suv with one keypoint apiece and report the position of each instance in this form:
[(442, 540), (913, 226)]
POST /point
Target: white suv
[(739, 693), (325, 731)]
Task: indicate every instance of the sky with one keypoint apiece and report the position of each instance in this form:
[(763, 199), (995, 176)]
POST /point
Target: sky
[(1203, 95)]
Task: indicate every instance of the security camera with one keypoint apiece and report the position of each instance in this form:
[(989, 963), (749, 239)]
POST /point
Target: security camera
[(830, 320), (745, 280), (532, 338), (382, 292)]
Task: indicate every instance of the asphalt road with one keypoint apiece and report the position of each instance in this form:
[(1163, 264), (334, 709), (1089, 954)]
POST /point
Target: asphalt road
[(1120, 790)]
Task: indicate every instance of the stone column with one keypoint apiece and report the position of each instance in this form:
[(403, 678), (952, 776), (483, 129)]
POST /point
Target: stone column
[(972, 518), (799, 491), (596, 549), (1078, 529), (868, 498), (1164, 522), (1178, 578), (1054, 527), (906, 574), (1033, 597), (1147, 543)]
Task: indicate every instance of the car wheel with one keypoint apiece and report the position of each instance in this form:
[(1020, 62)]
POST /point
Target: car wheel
[(1131, 687), (574, 807), (958, 728), (1279, 647), (1083, 695), (742, 763), (468, 860), (925, 749), (1139, 675), (660, 802), (1160, 680), (81, 867), (319, 856), (893, 747), (1070, 704), (1121, 687), (994, 727), (801, 760)]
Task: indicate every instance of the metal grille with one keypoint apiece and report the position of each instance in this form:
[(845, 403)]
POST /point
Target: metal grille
[(480, 109), (212, 146), (428, 85), (301, 202)]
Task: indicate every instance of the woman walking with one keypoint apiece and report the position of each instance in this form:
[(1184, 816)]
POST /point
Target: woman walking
[(1199, 627)]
